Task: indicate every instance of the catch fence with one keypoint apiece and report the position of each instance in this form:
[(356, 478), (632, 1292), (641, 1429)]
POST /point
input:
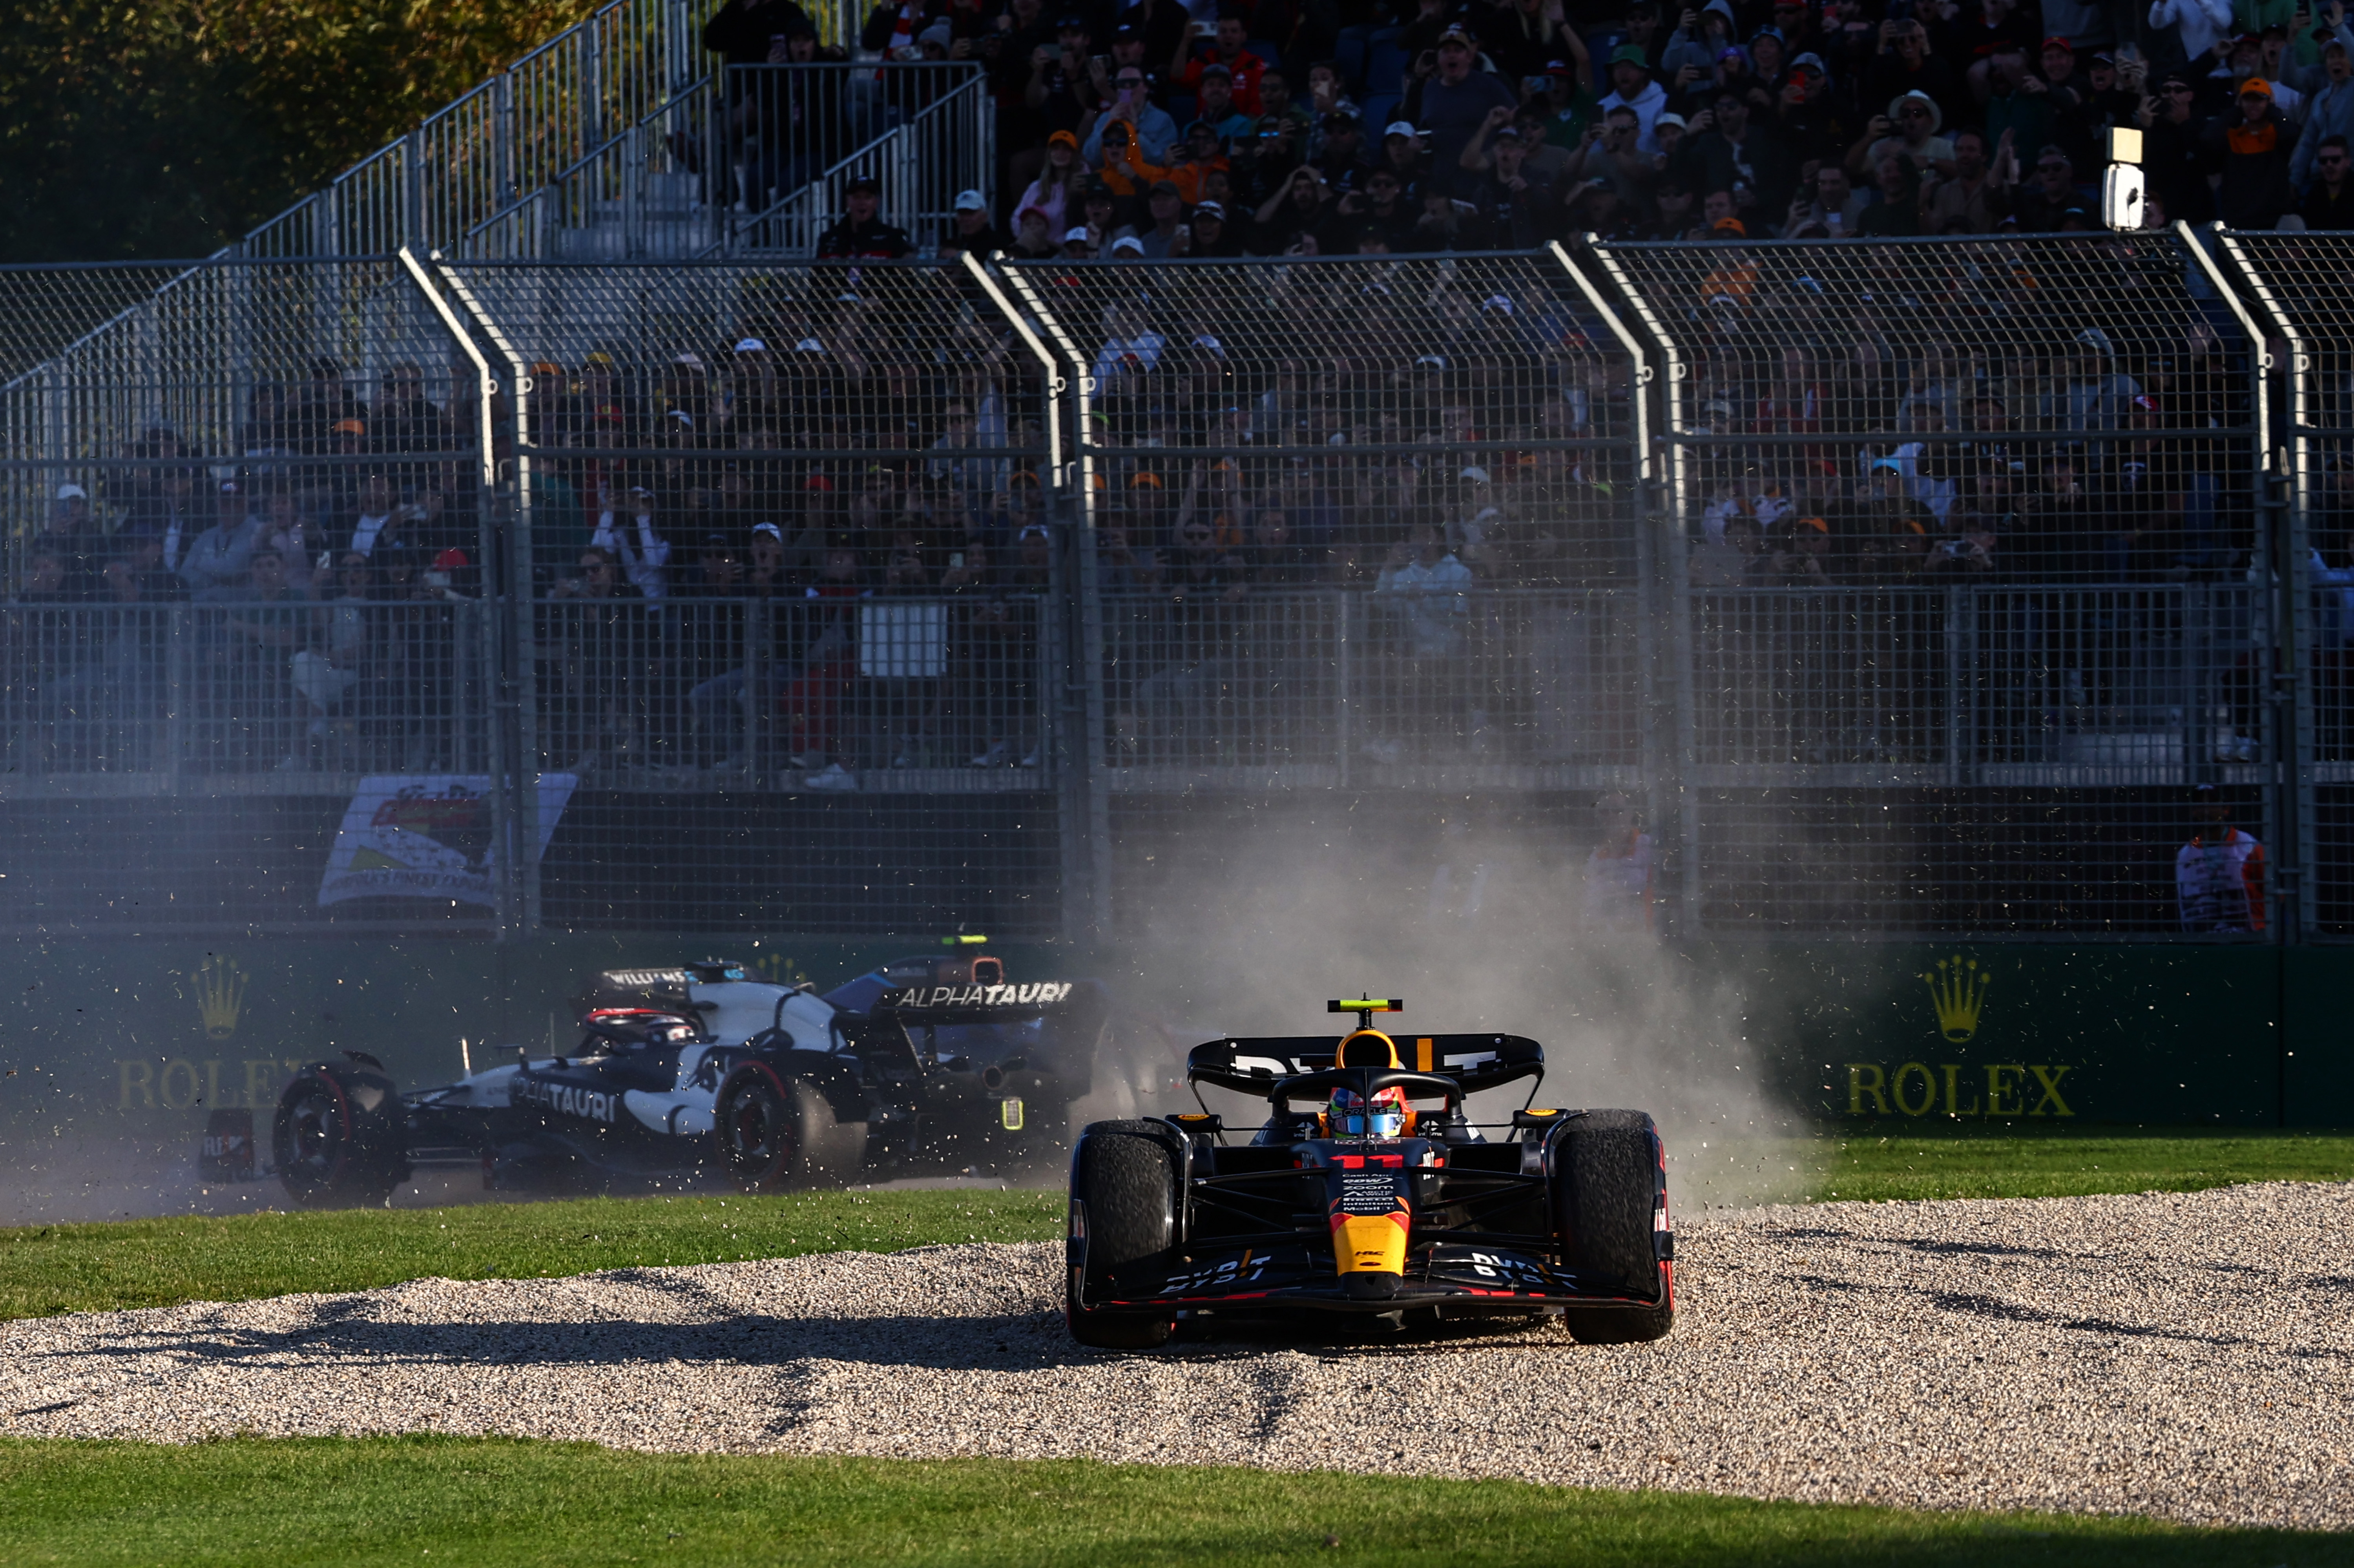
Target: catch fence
[(1897, 588), (1977, 564)]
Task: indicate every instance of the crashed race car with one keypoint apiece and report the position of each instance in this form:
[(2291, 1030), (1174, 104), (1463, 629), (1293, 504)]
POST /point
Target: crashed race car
[(705, 1074), (1382, 1200)]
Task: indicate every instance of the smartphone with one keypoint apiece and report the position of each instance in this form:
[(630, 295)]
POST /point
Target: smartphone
[(955, 558), (1102, 62), (1536, 84)]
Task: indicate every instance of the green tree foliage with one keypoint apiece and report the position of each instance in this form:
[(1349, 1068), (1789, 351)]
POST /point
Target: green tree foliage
[(170, 128)]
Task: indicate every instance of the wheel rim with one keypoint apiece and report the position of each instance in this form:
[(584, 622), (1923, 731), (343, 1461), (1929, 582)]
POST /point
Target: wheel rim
[(314, 1133), (758, 1133)]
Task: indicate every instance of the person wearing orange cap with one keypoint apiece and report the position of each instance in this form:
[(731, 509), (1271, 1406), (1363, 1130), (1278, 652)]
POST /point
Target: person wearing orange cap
[(2253, 143)]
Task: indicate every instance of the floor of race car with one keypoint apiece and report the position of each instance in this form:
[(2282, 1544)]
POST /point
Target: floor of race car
[(2181, 1355)]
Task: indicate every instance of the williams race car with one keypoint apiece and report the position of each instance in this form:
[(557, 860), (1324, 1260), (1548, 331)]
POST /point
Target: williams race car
[(1382, 1198), (704, 1073)]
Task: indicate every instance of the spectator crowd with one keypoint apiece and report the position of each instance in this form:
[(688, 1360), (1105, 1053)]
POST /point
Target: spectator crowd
[(1306, 127)]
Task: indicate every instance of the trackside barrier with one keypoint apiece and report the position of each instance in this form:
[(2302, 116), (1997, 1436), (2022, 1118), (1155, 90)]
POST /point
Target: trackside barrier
[(1901, 588)]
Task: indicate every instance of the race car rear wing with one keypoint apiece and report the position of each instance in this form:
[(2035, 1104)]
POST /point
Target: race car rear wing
[(1255, 1066)]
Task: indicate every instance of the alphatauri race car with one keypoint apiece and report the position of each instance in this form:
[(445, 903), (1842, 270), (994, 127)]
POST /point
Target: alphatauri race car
[(703, 1074), (1382, 1198)]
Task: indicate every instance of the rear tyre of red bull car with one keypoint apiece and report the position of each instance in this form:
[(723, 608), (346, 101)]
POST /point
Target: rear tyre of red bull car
[(1123, 1225), (1611, 1211), (779, 1134), (339, 1138)]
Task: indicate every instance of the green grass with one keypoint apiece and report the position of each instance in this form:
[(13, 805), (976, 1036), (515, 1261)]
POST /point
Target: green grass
[(119, 1263), (1886, 1161), (487, 1502)]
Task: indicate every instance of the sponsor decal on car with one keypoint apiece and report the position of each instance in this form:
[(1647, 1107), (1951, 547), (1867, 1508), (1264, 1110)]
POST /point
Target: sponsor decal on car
[(915, 996), (566, 1099)]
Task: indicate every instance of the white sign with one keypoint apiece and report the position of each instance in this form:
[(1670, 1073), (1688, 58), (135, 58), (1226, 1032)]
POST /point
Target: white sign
[(428, 836)]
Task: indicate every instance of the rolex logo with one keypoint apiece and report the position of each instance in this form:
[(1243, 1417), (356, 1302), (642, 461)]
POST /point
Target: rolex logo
[(1958, 991), (778, 969), (220, 995)]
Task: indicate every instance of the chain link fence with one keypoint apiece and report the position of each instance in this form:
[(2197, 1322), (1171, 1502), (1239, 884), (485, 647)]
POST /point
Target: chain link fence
[(794, 590), (1899, 587), (1977, 584), (245, 548), (2297, 284)]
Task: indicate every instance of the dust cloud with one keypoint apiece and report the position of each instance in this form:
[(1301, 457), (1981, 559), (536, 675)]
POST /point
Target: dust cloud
[(1246, 921)]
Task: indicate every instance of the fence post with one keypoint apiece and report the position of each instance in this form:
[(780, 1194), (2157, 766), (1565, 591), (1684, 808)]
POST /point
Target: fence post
[(1665, 585), (2281, 549)]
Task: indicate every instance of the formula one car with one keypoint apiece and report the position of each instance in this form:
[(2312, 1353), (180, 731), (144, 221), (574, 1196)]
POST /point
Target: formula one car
[(701, 1073), (1369, 1203)]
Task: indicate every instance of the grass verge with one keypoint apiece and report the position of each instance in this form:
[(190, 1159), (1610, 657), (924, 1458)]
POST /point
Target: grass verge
[(121, 1264), (488, 1502), (1879, 1161)]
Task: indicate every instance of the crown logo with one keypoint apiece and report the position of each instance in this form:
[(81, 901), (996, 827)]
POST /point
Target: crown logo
[(1957, 991), (220, 995), (778, 968)]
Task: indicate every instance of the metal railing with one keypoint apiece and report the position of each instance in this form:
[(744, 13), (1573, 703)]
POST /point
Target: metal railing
[(627, 74), (795, 136)]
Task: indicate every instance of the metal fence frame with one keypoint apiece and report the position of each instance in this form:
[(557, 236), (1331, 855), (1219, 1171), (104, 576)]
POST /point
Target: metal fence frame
[(68, 386)]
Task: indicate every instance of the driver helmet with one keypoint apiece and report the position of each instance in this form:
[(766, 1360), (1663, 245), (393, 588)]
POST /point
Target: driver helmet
[(1389, 1117)]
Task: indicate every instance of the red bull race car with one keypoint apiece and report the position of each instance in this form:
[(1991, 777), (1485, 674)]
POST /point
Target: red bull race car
[(703, 1074), (1368, 1191)]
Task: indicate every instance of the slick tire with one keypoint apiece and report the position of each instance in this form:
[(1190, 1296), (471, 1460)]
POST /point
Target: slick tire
[(1610, 1194), (1124, 1190), (337, 1138), (778, 1134)]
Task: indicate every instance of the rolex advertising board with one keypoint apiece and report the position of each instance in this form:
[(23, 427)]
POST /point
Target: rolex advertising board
[(1967, 1032)]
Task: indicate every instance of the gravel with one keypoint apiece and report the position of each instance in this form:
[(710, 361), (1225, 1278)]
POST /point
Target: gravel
[(2181, 1355)]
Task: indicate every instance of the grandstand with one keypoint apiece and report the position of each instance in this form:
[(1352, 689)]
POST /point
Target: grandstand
[(873, 567)]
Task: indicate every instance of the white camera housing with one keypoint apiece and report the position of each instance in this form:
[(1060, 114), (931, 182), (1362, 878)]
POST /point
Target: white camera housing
[(2121, 196)]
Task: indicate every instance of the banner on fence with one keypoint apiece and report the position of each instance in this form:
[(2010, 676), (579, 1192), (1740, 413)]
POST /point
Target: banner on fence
[(430, 837)]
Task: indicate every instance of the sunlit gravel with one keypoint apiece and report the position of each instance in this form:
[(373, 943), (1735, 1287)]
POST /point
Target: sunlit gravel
[(2184, 1355)]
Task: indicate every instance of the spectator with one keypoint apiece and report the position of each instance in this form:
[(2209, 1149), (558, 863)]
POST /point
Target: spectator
[(1746, 158), (1059, 189), (71, 534), (1299, 206), (1165, 235), (1972, 200), (2251, 144), (1631, 86), (860, 235), (2193, 27), (1032, 239), (217, 567), (2013, 100), (2219, 875), (2329, 113), (970, 231), (1617, 893), (598, 644), (1515, 209), (1151, 131), (1228, 58), (1911, 130), (1214, 107), (264, 631), (1903, 62), (1340, 154), (2041, 205), (1523, 37), (2329, 200), (1065, 87), (1455, 102), (1837, 205), (2174, 155), (1128, 175), (634, 539), (747, 32)]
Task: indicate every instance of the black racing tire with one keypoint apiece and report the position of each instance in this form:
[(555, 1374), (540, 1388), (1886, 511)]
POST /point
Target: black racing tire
[(1124, 1189), (1609, 1192), (338, 1137), (778, 1134)]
